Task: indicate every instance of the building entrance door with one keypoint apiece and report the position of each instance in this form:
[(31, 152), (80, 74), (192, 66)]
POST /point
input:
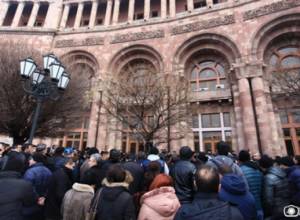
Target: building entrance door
[(210, 140)]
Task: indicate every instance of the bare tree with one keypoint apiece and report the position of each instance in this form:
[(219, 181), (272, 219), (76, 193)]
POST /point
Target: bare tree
[(286, 83), (151, 105), (17, 107)]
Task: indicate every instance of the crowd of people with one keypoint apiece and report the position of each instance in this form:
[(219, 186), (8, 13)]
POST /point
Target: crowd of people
[(40, 183)]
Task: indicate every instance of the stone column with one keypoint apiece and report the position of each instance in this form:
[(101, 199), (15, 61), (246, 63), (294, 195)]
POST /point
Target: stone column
[(247, 114), (238, 119), (93, 14), (209, 3), (54, 14), (190, 5), (268, 130), (147, 9), (131, 10), (65, 16), (116, 12), (108, 13), (172, 8), (16, 20), (94, 114), (163, 8), (33, 14), (4, 8), (78, 15)]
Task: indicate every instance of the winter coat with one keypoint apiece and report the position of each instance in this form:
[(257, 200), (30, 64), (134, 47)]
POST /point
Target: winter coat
[(159, 204), (15, 194), (182, 174), (83, 168), (39, 176), (60, 183), (115, 202), (255, 181), (294, 181), (276, 191), (76, 202), (233, 190), (137, 173), (206, 206), (222, 160)]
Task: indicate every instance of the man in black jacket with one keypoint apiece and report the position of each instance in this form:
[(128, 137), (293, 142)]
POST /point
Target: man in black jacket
[(60, 183), (206, 204), (15, 193), (182, 174)]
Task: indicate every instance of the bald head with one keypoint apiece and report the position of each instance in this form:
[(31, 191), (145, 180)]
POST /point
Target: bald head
[(207, 179)]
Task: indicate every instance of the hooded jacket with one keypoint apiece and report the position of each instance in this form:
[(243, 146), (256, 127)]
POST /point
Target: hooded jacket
[(207, 206), (77, 202), (276, 191), (222, 160), (159, 204), (115, 202), (233, 190)]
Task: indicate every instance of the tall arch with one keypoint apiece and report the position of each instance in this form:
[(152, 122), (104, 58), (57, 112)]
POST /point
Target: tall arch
[(286, 26), (135, 52)]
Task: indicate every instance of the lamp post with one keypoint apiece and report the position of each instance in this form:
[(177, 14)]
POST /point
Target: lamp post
[(43, 84)]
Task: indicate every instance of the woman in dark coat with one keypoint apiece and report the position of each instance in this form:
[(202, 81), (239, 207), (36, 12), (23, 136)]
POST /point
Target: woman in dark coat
[(115, 201)]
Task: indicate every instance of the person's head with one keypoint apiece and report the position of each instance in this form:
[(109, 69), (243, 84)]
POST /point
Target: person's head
[(116, 174), (104, 155), (29, 148), (36, 158), (91, 150), (141, 155), (3, 147), (223, 148), (265, 162), (286, 162), (161, 180), (115, 155), (17, 147), (153, 150), (41, 148), (297, 159), (59, 151), (202, 157), (69, 152), (185, 153), (207, 179), (244, 156), (69, 163), (15, 162), (94, 160)]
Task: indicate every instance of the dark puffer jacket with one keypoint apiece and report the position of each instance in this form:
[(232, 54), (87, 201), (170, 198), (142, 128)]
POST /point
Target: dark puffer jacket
[(182, 174), (208, 207), (276, 192), (294, 181), (115, 203), (15, 194), (254, 178)]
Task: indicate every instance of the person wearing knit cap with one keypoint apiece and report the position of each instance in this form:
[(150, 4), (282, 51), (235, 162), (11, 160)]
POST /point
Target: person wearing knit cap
[(234, 191)]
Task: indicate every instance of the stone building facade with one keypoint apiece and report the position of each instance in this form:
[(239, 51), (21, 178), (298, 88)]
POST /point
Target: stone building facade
[(227, 49)]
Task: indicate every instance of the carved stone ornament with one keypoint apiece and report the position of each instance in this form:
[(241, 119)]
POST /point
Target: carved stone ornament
[(121, 38), (271, 8), (80, 42), (201, 25)]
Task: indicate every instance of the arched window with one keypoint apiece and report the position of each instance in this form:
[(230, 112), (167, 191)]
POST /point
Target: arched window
[(285, 58), (208, 76)]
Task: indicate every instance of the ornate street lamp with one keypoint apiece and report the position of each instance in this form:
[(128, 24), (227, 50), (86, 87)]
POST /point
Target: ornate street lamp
[(48, 83)]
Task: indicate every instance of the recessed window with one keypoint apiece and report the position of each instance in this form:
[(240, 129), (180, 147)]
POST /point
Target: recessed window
[(200, 4), (154, 14), (208, 76)]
